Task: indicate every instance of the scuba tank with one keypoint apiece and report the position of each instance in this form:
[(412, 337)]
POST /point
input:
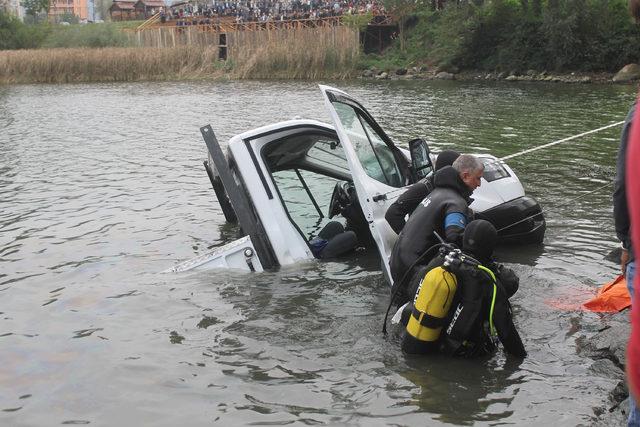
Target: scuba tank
[(431, 306)]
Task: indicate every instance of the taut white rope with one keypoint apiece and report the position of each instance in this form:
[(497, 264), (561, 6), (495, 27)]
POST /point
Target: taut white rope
[(510, 156)]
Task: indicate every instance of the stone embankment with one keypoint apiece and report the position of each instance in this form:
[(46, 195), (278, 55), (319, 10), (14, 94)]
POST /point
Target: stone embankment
[(608, 351), (627, 74)]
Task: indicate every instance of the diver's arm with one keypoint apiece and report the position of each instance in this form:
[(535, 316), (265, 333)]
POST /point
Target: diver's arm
[(507, 332), (511, 341), (395, 217), (507, 278), (405, 205), (454, 224), (455, 220)]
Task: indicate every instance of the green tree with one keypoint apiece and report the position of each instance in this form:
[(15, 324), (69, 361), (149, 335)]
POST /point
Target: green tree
[(536, 7), (9, 27), (400, 10), (359, 21), (68, 17), (34, 7), (14, 34)]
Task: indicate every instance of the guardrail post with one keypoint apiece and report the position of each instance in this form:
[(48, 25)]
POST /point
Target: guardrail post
[(222, 47)]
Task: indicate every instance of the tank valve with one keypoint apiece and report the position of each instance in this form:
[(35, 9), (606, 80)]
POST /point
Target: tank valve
[(452, 259)]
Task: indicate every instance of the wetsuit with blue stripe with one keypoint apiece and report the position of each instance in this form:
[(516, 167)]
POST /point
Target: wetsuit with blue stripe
[(445, 210)]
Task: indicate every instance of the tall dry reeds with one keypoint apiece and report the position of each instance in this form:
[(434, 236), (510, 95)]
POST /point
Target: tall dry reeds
[(108, 64), (303, 53)]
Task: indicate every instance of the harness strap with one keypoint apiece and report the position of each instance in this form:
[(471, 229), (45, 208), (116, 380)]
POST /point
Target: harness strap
[(427, 320)]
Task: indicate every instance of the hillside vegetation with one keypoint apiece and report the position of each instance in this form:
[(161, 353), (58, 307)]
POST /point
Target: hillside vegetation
[(517, 35), (15, 34), (488, 35)]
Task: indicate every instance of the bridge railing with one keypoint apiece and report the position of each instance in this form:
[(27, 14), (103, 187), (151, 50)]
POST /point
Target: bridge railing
[(230, 25), (149, 22)]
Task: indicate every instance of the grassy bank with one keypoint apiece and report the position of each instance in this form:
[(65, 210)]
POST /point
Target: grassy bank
[(14, 34), (299, 54)]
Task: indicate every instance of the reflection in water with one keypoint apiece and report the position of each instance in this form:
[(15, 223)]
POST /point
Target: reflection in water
[(463, 391), (108, 189)]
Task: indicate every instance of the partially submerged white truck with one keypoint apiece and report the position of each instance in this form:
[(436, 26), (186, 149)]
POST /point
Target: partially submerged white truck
[(281, 182)]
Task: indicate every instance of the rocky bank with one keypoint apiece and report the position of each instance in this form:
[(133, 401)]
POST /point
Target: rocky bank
[(606, 351), (627, 74)]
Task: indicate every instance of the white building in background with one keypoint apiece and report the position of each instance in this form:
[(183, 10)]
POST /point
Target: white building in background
[(91, 10), (13, 7)]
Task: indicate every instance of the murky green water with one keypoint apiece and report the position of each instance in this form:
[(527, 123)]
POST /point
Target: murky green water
[(102, 187)]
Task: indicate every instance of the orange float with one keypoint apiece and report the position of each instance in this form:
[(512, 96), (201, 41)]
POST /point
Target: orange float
[(611, 298)]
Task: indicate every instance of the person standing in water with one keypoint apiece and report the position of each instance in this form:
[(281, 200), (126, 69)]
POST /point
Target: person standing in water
[(410, 199), (445, 211)]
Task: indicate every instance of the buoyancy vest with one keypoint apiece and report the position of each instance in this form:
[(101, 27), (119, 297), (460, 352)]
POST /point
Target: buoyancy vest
[(430, 309)]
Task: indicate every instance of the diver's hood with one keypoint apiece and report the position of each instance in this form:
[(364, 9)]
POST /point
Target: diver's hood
[(479, 241), (446, 158), (448, 177)]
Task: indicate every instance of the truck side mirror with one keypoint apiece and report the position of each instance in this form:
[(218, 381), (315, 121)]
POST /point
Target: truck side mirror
[(421, 165)]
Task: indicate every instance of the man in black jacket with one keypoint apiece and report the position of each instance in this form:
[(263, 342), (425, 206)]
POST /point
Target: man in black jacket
[(410, 199), (620, 210), (445, 211), (623, 232)]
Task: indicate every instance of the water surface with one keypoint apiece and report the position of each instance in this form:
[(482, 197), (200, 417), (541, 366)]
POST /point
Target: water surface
[(102, 187)]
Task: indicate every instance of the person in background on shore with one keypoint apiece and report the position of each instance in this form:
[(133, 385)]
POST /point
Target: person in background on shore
[(620, 210), (410, 199), (622, 222)]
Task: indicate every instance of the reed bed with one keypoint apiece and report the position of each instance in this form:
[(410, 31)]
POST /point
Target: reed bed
[(303, 53), (108, 64)]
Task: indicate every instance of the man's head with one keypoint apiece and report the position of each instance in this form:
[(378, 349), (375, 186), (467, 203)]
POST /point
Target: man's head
[(447, 157), (480, 239), (470, 170)]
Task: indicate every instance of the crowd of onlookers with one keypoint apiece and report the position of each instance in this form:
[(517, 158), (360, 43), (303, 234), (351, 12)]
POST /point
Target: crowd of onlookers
[(268, 10)]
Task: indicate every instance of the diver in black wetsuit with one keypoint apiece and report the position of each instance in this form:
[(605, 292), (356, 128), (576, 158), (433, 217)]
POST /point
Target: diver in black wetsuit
[(445, 211), (480, 313), (410, 199), (483, 312)]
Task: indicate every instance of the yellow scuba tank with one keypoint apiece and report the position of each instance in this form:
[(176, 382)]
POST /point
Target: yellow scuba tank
[(431, 304)]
